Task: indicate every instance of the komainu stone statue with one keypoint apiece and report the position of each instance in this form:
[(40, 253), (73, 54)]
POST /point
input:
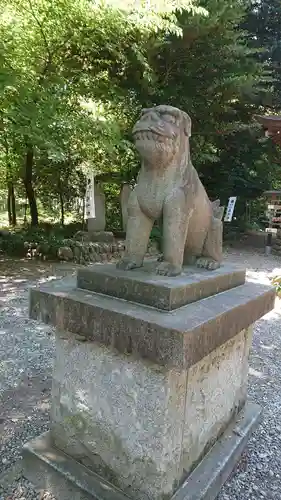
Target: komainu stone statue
[(168, 186)]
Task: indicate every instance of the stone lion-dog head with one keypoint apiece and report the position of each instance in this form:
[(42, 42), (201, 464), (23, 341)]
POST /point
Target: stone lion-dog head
[(161, 133)]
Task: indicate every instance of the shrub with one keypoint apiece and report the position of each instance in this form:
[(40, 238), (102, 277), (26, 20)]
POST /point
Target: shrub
[(31, 242), (277, 283)]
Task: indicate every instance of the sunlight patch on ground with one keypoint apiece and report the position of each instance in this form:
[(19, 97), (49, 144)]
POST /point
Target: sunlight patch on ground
[(256, 373), (258, 277)]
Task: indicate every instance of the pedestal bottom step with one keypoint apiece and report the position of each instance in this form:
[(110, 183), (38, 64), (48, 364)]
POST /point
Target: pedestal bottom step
[(50, 469)]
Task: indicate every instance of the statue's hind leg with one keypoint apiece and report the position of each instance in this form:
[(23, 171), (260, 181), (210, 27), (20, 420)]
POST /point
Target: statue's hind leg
[(194, 245), (212, 251)]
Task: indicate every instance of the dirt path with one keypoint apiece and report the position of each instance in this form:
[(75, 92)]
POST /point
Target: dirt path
[(26, 352)]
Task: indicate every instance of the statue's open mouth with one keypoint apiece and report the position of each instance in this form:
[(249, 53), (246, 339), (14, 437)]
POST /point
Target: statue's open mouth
[(147, 135)]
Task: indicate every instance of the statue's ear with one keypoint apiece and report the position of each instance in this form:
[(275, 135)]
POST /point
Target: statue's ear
[(216, 203), (144, 110), (187, 124)]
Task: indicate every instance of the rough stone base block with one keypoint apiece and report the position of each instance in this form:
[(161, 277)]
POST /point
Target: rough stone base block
[(173, 416), (50, 469)]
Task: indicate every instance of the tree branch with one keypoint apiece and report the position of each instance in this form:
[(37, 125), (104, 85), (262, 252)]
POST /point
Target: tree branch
[(41, 29), (8, 63)]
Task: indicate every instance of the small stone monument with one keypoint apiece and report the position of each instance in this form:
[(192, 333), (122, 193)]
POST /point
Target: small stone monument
[(95, 214), (149, 395), (97, 223)]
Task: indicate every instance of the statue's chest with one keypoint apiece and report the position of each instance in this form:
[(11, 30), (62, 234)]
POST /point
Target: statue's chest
[(151, 198)]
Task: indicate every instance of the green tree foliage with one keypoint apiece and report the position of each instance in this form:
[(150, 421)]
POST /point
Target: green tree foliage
[(213, 74), (262, 25), (263, 28), (75, 74), (61, 67), (43, 84)]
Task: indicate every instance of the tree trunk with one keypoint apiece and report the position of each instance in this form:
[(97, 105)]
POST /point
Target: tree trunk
[(11, 205), (61, 202), (62, 209), (28, 184), (9, 208), (25, 212), (83, 213)]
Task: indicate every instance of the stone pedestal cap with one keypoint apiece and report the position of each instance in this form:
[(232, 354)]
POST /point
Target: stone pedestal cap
[(145, 287), (178, 338)]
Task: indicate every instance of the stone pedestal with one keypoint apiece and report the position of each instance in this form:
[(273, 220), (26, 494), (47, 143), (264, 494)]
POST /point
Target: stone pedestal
[(149, 382)]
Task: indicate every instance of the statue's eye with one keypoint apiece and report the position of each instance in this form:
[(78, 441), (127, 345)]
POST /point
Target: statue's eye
[(168, 118)]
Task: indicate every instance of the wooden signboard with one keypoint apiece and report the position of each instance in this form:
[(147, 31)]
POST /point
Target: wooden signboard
[(273, 209)]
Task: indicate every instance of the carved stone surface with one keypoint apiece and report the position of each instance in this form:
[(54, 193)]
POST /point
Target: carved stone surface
[(169, 187)]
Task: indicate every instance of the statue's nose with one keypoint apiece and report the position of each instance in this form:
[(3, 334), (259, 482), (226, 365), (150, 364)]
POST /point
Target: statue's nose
[(153, 120), (154, 117)]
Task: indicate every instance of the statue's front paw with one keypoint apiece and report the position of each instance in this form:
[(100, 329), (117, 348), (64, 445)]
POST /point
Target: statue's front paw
[(207, 263), (167, 269), (126, 264)]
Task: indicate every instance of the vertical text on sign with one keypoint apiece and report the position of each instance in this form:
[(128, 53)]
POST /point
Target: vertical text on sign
[(230, 209), (90, 196)]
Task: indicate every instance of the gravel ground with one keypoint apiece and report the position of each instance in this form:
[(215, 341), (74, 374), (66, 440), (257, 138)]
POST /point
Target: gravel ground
[(26, 351)]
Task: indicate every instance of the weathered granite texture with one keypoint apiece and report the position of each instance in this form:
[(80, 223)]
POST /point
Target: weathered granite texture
[(179, 338), (140, 426), (168, 186), (120, 417), (206, 480), (162, 292), (216, 390)]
